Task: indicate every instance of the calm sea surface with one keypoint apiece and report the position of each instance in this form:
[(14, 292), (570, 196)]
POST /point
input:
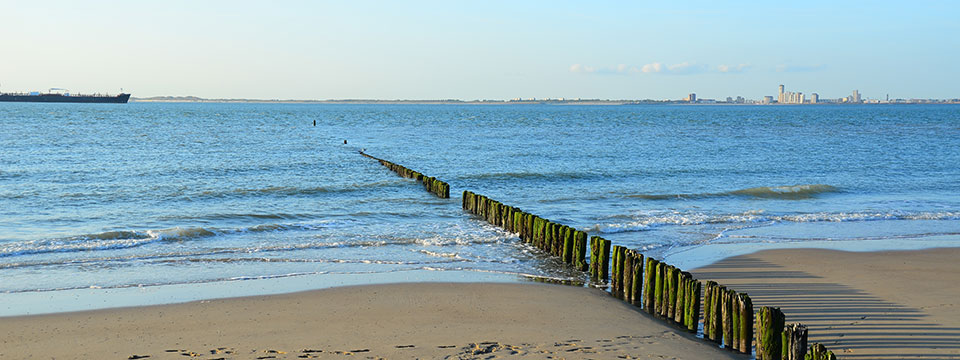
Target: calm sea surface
[(203, 198)]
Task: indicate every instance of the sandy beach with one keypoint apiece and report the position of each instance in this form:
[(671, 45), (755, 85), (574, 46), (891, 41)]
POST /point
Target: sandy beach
[(405, 321), (874, 305), (879, 305)]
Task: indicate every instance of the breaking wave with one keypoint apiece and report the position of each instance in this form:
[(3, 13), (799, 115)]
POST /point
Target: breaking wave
[(525, 175), (794, 192), (646, 222), (124, 239)]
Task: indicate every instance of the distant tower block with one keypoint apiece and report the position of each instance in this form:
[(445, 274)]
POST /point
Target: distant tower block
[(814, 98), (692, 97)]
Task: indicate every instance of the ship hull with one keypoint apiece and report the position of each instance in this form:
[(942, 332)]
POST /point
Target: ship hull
[(45, 98)]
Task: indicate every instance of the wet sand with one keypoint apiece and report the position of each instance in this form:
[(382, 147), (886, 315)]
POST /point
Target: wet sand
[(875, 305), (405, 321)]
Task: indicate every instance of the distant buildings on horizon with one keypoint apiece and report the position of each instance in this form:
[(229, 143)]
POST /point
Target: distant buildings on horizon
[(798, 98)]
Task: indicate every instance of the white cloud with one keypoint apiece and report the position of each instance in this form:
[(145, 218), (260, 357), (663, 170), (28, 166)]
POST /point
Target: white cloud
[(618, 69), (578, 68), (652, 68), (684, 68), (733, 68)]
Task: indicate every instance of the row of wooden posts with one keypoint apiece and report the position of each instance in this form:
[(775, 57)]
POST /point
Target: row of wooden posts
[(661, 289), (564, 242), (430, 183)]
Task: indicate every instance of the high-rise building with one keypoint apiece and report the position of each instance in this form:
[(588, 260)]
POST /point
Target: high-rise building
[(692, 97), (767, 99), (856, 96), (789, 97), (814, 98)]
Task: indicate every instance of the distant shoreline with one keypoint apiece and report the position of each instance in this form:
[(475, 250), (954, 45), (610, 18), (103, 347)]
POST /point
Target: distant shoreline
[(191, 99)]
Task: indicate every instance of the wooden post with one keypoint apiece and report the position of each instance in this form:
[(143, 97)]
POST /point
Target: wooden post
[(746, 323), (819, 352), (547, 238), (716, 313), (636, 294), (735, 318), (605, 259), (649, 283), (658, 289), (580, 250), (517, 220), (671, 297), (769, 329), (627, 275), (599, 258), (680, 307), (796, 341), (693, 321), (615, 276), (707, 308), (567, 233), (504, 215), (558, 240), (727, 318)]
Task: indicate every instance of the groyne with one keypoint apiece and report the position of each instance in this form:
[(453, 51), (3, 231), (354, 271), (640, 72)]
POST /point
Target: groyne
[(431, 184), (662, 290), (658, 288)]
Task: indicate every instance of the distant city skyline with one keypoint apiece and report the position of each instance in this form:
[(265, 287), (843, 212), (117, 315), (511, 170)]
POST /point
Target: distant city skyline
[(486, 50)]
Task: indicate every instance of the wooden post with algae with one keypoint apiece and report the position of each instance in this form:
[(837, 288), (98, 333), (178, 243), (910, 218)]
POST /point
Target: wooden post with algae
[(769, 328), (636, 294), (746, 323), (794, 341)]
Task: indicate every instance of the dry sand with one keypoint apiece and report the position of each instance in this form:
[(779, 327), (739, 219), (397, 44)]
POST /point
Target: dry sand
[(877, 305), (423, 320), (880, 305)]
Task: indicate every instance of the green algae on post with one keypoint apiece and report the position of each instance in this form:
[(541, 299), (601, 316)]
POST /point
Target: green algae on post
[(599, 259), (746, 323), (794, 341), (693, 320), (769, 328), (431, 184), (636, 294)]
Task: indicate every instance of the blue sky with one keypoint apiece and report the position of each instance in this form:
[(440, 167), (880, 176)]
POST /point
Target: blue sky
[(482, 49)]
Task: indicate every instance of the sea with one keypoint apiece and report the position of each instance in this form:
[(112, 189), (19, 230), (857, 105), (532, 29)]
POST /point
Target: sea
[(106, 205)]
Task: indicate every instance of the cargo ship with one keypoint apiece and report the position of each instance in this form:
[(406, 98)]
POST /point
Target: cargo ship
[(56, 95)]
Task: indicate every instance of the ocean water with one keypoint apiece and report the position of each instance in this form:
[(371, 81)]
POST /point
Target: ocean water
[(149, 203)]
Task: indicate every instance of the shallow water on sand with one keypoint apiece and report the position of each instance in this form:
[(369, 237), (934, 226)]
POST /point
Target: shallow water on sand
[(152, 195)]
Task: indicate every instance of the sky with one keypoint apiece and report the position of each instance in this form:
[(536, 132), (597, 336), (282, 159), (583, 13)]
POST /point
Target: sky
[(482, 49)]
